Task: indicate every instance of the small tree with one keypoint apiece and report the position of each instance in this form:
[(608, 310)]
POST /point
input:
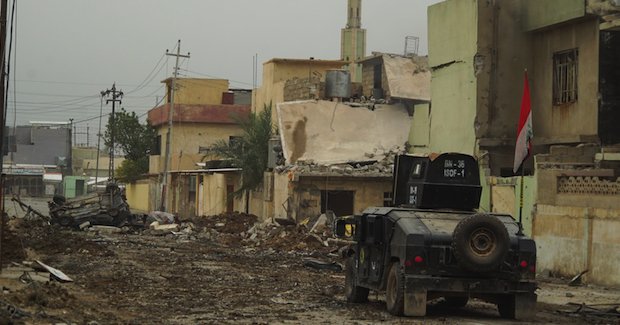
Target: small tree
[(134, 139), (250, 153)]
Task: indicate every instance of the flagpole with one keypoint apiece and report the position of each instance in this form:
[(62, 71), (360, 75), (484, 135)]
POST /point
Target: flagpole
[(520, 223)]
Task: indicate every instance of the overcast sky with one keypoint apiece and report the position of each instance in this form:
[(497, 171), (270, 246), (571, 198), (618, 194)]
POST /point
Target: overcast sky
[(67, 51)]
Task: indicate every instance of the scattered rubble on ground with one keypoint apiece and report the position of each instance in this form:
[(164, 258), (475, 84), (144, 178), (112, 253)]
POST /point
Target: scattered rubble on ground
[(224, 269)]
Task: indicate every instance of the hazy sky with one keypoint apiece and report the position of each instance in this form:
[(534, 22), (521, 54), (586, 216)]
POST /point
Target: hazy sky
[(67, 51)]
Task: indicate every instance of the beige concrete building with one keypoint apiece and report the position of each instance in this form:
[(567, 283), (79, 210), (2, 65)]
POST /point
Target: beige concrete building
[(353, 40), (277, 72), (478, 52), (201, 116)]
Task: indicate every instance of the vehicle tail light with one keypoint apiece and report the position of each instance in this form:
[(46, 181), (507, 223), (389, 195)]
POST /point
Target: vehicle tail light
[(523, 264), (532, 269), (418, 259), (408, 263)]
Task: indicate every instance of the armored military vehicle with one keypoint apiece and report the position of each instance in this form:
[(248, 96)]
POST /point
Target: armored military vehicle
[(433, 244)]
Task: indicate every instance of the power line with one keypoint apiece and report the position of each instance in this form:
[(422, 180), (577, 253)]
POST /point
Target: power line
[(206, 75), (156, 65)]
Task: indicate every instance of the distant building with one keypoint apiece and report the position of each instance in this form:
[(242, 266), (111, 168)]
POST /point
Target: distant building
[(201, 116), (31, 152), (353, 40)]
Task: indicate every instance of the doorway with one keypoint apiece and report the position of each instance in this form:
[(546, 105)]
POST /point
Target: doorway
[(340, 202)]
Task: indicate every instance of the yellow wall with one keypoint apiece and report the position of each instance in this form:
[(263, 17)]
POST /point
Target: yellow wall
[(198, 91), (573, 239), (138, 196), (214, 197), (187, 138), (578, 118), (452, 30)]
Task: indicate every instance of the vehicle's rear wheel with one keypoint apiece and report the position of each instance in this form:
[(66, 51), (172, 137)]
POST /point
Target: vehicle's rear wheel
[(456, 302), (395, 290), (353, 292), (65, 221), (480, 242)]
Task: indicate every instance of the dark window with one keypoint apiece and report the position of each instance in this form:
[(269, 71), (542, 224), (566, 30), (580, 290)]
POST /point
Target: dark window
[(235, 141), (565, 76), (340, 202), (351, 12), (157, 146), (204, 150), (377, 77), (169, 89), (387, 199)]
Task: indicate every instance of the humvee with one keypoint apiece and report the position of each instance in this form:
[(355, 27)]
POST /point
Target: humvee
[(433, 244)]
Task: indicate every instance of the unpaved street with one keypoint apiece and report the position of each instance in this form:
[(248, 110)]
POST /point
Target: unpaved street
[(220, 278)]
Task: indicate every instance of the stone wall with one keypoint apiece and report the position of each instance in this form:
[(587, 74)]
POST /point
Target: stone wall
[(300, 89)]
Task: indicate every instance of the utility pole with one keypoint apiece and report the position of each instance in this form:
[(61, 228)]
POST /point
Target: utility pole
[(168, 160), (3, 47), (114, 96)]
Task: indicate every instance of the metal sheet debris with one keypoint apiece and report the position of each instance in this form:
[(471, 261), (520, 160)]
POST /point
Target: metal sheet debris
[(56, 273)]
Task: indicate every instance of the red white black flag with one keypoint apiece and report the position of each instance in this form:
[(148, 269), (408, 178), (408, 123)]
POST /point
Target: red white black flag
[(524, 137)]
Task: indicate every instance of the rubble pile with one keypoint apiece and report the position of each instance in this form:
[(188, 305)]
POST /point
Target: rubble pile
[(380, 163)]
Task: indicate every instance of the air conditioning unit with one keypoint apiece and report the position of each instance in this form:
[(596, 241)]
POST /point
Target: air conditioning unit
[(62, 162)]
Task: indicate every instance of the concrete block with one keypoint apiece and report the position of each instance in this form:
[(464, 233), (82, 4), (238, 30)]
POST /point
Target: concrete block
[(611, 156), (85, 225), (574, 151), (542, 158), (172, 227), (154, 225), (559, 150), (106, 229), (585, 158), (555, 159), (591, 150), (569, 158)]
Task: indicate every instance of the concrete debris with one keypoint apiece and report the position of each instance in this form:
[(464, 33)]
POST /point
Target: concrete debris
[(382, 164), (333, 266), (105, 229)]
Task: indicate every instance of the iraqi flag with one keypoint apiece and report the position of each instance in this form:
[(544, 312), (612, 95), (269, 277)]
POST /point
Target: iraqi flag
[(524, 143)]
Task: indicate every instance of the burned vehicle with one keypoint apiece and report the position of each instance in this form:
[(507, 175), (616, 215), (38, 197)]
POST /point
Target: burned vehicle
[(108, 208), (432, 244)]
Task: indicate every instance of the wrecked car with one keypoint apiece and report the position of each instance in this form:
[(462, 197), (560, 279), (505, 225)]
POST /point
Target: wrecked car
[(108, 208), (433, 244)]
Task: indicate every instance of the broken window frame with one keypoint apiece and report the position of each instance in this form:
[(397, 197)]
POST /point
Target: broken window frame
[(565, 76)]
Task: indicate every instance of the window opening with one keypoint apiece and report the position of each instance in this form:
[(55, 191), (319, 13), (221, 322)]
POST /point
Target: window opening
[(565, 76)]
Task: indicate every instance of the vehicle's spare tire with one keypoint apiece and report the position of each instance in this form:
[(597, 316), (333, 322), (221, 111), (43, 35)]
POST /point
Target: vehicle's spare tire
[(480, 242), (59, 199)]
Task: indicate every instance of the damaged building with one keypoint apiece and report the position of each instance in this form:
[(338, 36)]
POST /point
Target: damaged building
[(478, 52)]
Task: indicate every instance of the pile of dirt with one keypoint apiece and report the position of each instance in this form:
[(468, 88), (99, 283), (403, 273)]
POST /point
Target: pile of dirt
[(49, 295), (23, 236), (293, 238), (227, 222)]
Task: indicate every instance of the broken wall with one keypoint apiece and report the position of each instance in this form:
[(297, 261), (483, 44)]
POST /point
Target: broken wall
[(452, 34), (306, 196), (331, 132)]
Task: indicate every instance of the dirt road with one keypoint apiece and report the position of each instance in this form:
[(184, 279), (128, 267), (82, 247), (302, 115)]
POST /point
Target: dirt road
[(216, 278)]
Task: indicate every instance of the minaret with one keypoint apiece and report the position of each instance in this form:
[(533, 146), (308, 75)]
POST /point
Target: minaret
[(353, 43)]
